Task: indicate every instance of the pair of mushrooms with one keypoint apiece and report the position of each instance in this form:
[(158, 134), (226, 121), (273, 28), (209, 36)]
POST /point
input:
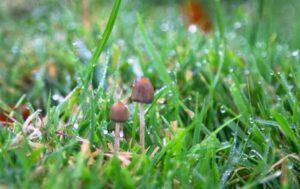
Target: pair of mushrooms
[(142, 93)]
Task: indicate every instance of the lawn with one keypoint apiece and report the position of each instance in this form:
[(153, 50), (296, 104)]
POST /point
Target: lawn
[(225, 111)]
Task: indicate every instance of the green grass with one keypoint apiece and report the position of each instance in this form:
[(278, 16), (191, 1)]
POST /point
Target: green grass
[(226, 107)]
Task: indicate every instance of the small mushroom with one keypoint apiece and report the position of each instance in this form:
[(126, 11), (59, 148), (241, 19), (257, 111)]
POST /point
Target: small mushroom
[(119, 114), (142, 93)]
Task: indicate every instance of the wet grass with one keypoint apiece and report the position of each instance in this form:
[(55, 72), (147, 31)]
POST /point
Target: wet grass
[(225, 112)]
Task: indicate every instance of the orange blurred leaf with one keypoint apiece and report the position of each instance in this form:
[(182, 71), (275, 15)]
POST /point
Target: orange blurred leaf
[(195, 13)]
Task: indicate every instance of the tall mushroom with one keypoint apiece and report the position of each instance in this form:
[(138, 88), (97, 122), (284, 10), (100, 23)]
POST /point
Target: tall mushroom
[(142, 93), (119, 114)]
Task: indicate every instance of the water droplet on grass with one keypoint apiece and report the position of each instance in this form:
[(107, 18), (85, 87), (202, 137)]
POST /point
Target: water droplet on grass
[(290, 166), (222, 109), (165, 26), (295, 53), (247, 72), (105, 131), (198, 64), (237, 25), (249, 131), (278, 98), (192, 28), (251, 120), (267, 140), (57, 97), (221, 53)]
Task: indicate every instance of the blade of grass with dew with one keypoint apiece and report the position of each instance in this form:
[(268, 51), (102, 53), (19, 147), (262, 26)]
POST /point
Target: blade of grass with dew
[(286, 128), (94, 59), (230, 163), (222, 127), (239, 101), (155, 57), (104, 39), (198, 121)]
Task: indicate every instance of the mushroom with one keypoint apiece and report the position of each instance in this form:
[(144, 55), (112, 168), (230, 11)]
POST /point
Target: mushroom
[(142, 93), (119, 114)]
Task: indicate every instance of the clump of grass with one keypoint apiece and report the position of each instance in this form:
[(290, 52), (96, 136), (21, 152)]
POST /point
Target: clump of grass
[(225, 111)]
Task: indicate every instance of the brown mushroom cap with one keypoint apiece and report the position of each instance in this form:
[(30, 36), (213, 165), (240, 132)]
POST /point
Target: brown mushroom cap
[(119, 112), (142, 91)]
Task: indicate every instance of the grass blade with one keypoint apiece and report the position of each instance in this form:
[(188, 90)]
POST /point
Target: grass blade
[(156, 59), (105, 37), (286, 128)]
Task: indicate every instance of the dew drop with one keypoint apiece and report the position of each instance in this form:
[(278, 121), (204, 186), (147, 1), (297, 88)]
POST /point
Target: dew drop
[(249, 131), (247, 72), (223, 109), (57, 97), (295, 53), (251, 120), (165, 27), (237, 25), (198, 64), (105, 131), (221, 53), (278, 98), (290, 166), (192, 28)]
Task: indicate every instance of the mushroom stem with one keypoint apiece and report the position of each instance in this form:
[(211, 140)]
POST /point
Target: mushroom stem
[(117, 136), (142, 126)]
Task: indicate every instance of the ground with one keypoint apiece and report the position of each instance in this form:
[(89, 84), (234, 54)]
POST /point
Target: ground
[(225, 112)]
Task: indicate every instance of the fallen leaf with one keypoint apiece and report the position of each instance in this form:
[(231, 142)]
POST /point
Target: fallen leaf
[(195, 13)]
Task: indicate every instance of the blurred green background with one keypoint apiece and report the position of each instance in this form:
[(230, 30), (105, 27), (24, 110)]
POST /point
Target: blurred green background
[(43, 43)]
